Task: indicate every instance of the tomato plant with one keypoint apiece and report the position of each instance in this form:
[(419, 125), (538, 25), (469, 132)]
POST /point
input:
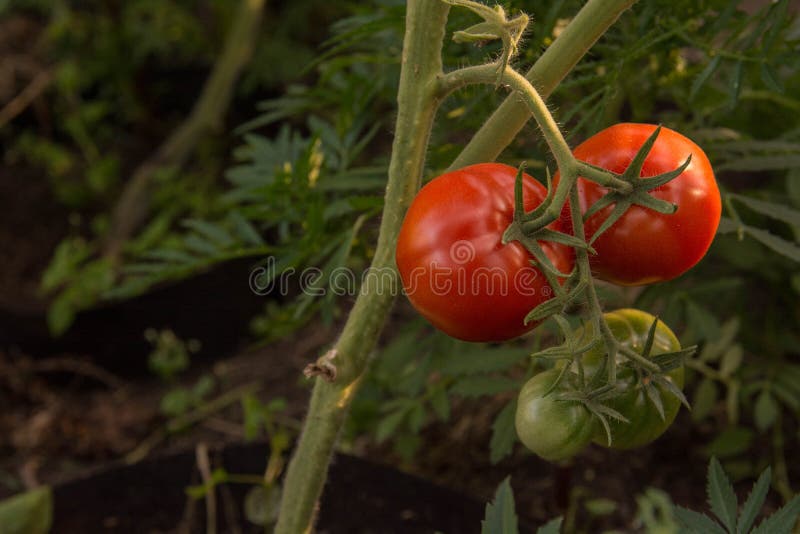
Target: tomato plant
[(645, 246), (631, 328), (455, 268), (554, 429)]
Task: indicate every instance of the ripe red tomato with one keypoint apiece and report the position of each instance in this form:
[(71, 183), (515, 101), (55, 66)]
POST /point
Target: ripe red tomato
[(645, 246), (455, 269)]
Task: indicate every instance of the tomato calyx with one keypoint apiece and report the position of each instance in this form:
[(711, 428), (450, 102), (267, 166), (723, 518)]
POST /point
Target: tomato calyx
[(639, 195), (638, 371)]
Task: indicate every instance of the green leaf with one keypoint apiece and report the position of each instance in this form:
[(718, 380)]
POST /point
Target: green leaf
[(754, 502), (500, 517), (440, 403), (703, 77), (697, 523), (773, 210), (766, 410), (771, 78), (389, 424), (246, 231), (705, 398), (735, 87), (27, 513), (478, 386), (714, 348), (504, 434), (782, 521), (731, 442), (777, 244), (551, 527), (731, 360), (721, 496), (211, 231)]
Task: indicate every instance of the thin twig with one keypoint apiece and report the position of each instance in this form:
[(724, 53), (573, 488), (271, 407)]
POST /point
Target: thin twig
[(78, 367), (20, 103), (182, 421), (204, 465)]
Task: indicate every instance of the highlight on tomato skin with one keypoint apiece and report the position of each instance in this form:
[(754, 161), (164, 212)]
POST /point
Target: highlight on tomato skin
[(644, 246), (455, 269)]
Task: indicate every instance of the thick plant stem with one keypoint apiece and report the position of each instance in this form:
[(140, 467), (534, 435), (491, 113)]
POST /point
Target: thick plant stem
[(417, 103), (560, 57)]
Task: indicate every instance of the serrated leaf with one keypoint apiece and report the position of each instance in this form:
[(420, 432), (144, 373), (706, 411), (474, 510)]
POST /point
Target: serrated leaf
[(501, 517), (766, 410), (782, 521), (697, 523), (754, 502), (504, 434), (478, 386), (721, 496), (704, 399), (27, 513)]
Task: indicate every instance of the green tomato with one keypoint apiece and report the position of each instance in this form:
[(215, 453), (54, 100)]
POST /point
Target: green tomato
[(631, 327), (554, 429)]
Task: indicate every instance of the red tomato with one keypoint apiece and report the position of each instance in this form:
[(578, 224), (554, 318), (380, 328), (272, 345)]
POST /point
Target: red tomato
[(455, 269), (645, 246)]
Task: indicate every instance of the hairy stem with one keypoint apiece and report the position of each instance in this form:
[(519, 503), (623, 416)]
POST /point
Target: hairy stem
[(417, 103), (589, 24)]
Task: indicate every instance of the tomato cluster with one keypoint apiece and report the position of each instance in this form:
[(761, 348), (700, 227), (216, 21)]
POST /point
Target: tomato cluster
[(459, 273)]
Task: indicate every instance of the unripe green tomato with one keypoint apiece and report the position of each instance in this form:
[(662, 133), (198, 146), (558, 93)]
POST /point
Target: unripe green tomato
[(553, 429), (630, 327)]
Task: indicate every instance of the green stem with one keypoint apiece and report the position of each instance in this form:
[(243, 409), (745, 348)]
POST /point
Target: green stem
[(417, 103), (567, 164), (603, 177), (589, 24), (584, 271)]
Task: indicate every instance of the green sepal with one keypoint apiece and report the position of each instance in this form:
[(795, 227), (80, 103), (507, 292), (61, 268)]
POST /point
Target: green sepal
[(481, 32)]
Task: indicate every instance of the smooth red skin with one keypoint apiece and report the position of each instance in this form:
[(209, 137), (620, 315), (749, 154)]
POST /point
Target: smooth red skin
[(473, 205), (644, 246)]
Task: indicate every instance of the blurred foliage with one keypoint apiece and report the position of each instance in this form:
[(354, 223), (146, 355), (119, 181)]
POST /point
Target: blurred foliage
[(306, 185)]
